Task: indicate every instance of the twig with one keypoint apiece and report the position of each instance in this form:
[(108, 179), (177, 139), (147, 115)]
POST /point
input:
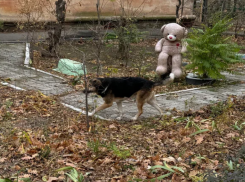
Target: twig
[(86, 91)]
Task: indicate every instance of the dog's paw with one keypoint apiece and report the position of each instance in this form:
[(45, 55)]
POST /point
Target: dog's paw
[(119, 118), (90, 114), (134, 118)]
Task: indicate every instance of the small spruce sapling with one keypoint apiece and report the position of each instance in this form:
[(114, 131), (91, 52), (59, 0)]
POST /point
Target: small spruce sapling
[(210, 52)]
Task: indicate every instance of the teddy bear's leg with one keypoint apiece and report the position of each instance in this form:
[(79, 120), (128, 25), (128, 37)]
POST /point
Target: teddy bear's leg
[(176, 65), (162, 65)]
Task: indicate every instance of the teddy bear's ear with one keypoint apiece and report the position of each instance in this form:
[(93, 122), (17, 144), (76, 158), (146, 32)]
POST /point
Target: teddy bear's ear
[(185, 32), (162, 29)]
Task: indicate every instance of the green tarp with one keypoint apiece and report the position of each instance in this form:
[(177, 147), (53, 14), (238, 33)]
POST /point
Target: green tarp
[(70, 67)]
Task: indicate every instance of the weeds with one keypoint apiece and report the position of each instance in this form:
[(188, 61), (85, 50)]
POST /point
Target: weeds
[(236, 126), (191, 123), (45, 152), (215, 126), (7, 116), (189, 103), (218, 108), (73, 174), (168, 168), (119, 152), (8, 103), (17, 179), (95, 145)]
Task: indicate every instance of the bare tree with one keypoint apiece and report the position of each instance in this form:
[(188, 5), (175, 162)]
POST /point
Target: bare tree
[(177, 11), (126, 26), (99, 38), (30, 11), (54, 38)]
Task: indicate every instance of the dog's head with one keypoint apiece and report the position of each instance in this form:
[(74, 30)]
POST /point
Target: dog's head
[(93, 85)]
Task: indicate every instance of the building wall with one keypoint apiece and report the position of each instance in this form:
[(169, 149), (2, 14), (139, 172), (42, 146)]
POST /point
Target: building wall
[(86, 9)]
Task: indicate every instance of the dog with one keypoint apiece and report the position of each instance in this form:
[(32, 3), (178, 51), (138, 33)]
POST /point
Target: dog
[(120, 89)]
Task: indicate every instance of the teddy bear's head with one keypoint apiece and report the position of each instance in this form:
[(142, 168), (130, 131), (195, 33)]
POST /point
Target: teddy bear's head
[(173, 32)]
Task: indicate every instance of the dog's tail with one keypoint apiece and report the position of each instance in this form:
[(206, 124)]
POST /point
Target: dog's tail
[(167, 79)]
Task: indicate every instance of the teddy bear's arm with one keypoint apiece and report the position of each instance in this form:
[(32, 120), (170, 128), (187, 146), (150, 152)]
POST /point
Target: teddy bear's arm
[(158, 47), (184, 47)]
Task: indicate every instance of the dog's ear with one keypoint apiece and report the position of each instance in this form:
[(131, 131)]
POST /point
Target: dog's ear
[(96, 82)]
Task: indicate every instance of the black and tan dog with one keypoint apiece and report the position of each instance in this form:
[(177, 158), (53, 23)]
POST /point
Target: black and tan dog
[(119, 89)]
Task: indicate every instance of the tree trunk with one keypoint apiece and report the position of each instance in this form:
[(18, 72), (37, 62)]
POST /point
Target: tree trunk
[(124, 44), (204, 10), (99, 43), (54, 38), (177, 11)]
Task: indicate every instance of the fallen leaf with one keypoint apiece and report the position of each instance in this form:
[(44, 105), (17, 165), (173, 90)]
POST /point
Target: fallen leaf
[(106, 161), (232, 135), (170, 159), (112, 126), (193, 173), (146, 163), (34, 155), (199, 139), (175, 178), (32, 171), (186, 139), (132, 161), (70, 164), (2, 159), (26, 158), (158, 163), (50, 179)]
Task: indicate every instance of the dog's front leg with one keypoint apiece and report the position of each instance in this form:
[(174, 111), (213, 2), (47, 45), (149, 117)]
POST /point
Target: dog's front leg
[(102, 107), (119, 106)]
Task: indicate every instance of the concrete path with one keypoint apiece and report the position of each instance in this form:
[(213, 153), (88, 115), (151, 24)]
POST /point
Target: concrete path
[(11, 66), (12, 58)]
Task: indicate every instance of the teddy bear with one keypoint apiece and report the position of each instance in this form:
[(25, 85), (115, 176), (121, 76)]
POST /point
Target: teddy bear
[(170, 48)]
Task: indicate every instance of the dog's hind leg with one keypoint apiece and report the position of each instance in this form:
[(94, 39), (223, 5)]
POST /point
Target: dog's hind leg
[(154, 104), (119, 106), (140, 111), (102, 107), (141, 99)]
